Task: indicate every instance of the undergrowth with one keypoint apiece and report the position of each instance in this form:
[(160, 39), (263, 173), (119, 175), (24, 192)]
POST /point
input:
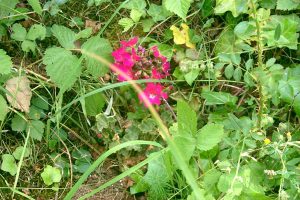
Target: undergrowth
[(189, 99)]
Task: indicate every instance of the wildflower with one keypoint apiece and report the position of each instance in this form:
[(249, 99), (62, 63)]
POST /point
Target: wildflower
[(267, 141), (154, 93)]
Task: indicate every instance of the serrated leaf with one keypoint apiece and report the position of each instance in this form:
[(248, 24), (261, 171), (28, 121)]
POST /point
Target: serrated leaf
[(36, 31), (18, 152), (18, 123), (179, 7), (18, 32), (147, 24), (65, 36), (19, 93), (236, 7), (287, 4), (35, 4), (209, 136), (5, 62), (36, 129), (226, 42), (126, 23), (86, 33), (218, 98), (229, 70), (237, 75), (9, 164), (135, 15), (3, 108), (62, 66), (28, 45), (100, 47), (157, 12), (51, 175), (7, 7)]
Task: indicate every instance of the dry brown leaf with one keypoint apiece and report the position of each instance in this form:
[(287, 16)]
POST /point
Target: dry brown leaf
[(20, 93), (93, 24)]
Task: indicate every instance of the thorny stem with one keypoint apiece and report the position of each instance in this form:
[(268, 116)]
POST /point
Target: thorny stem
[(260, 64)]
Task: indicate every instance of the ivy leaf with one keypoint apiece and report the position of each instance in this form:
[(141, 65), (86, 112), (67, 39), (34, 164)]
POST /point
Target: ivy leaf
[(65, 36), (9, 164), (51, 175), (3, 108), (18, 32), (62, 66), (36, 128), (100, 47), (126, 23), (36, 31), (287, 4), (236, 7), (35, 4), (218, 98), (209, 136), (18, 152), (179, 7), (6, 63)]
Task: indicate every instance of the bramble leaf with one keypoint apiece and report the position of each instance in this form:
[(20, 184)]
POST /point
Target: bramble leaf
[(101, 47), (65, 36), (5, 62), (62, 66), (179, 7), (209, 136)]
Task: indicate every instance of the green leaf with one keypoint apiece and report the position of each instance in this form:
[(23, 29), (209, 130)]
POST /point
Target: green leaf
[(86, 33), (18, 32), (289, 26), (287, 4), (227, 43), (18, 152), (7, 7), (179, 7), (36, 31), (51, 175), (158, 13), (35, 4), (218, 98), (28, 45), (245, 30), (135, 15), (187, 119), (65, 36), (18, 123), (237, 75), (62, 66), (94, 104), (126, 23), (136, 4), (191, 76), (9, 164), (236, 7), (147, 24), (36, 129), (6, 63), (3, 108), (209, 136), (229, 70), (100, 47)]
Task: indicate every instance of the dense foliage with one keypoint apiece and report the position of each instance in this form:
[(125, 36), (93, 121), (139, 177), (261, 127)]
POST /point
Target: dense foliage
[(193, 99)]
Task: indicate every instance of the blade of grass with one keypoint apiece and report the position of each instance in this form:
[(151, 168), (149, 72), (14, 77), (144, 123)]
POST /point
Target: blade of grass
[(121, 176), (101, 159)]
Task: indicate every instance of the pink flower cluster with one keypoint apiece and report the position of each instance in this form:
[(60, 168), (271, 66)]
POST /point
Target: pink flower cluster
[(138, 63)]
